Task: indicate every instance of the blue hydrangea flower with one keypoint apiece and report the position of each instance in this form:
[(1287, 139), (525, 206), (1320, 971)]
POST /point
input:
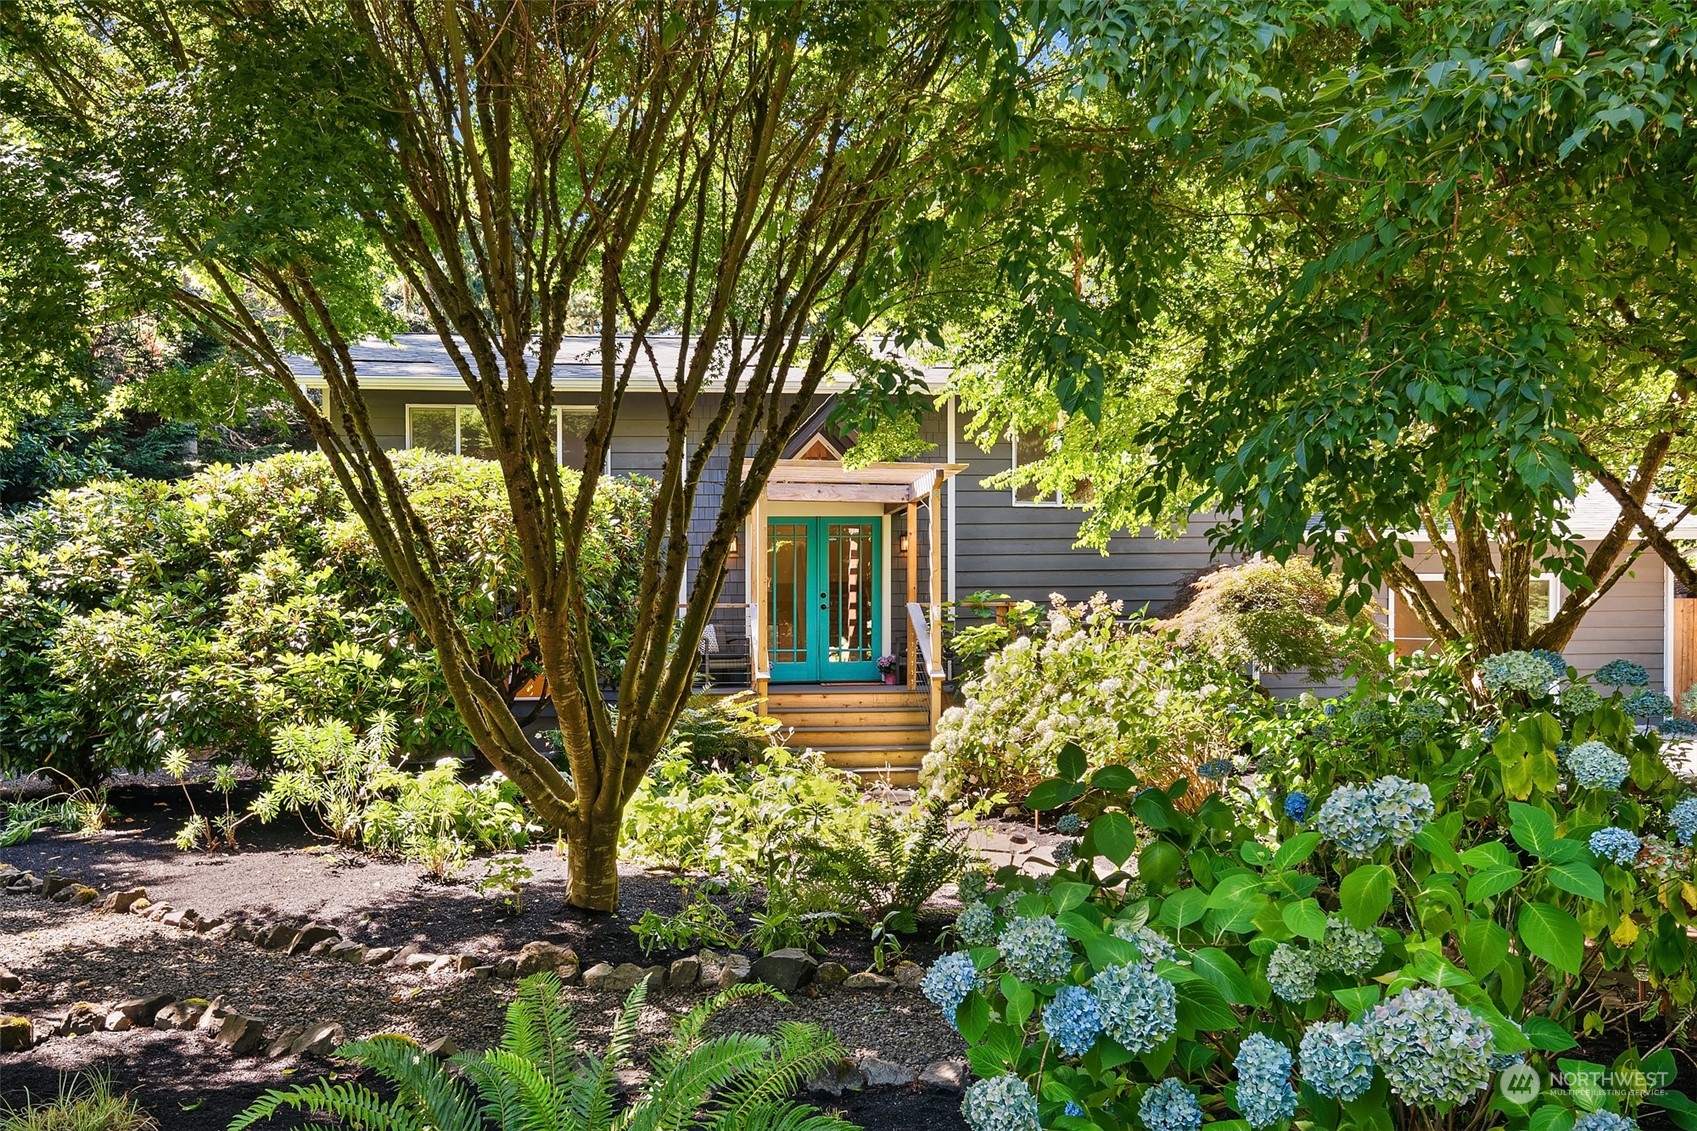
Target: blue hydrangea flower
[(1605, 1121), (1648, 703), (1432, 1050), (1672, 728), (1154, 947), (1264, 1094), (1617, 845), (1596, 766), (1290, 971), (1004, 1103), (1139, 1007), (1170, 1106), (1296, 805), (1065, 853), (949, 980), (1215, 769), (1358, 819), (1072, 1020), (1070, 824), (1329, 708), (1622, 673), (1366, 717), (1427, 710), (1557, 661), (1347, 950), (1580, 698), (977, 926), (1335, 1061), (1036, 950), (1683, 819), (1517, 671), (1488, 732), (1411, 736), (1072, 1110), (973, 884)]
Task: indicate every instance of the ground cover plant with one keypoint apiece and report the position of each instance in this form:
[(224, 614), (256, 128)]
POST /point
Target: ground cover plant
[(85, 1103), (208, 615), (1370, 945), (538, 1078)]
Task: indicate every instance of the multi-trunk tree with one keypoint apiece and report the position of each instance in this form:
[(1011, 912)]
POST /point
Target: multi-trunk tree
[(742, 176), (1436, 281)]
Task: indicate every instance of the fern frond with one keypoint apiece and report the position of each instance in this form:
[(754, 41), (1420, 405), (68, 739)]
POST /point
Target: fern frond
[(541, 1029), (528, 1099), (788, 1116), (424, 1084), (689, 1028), (685, 1086), (800, 1050), (591, 1095), (358, 1108)]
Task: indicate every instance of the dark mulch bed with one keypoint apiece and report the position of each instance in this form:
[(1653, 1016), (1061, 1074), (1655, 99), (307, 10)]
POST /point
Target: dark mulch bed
[(284, 873)]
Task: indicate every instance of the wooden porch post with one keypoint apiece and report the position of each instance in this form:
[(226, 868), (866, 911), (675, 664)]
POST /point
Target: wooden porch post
[(936, 588), (758, 655), (911, 533)]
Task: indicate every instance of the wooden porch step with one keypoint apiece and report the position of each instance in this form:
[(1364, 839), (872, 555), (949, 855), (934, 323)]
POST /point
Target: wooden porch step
[(891, 775), (778, 702), (881, 718)]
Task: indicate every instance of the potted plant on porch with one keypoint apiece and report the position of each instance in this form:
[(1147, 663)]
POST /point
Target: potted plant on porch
[(887, 667)]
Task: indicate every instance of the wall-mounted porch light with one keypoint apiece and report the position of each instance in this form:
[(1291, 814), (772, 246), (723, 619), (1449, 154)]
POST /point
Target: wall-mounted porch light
[(904, 543)]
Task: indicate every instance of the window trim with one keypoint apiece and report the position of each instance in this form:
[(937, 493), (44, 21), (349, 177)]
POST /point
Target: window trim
[(1551, 581), (560, 412), (1057, 499)]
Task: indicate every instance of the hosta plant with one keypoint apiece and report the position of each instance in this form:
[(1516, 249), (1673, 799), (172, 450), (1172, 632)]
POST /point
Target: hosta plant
[(1374, 961), (537, 1078)]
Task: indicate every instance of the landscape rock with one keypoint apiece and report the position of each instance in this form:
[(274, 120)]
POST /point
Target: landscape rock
[(418, 960), (214, 1015), (320, 1040), (399, 957), (835, 1080), (733, 971), (443, 963), (508, 968), (378, 955), (82, 1019), (442, 1048), (116, 1022), (346, 951), (179, 1015), (208, 926), (141, 906), (483, 973), (621, 979), (833, 973), (950, 1074), (323, 947), (867, 980), (158, 911), (53, 885), (465, 962), (83, 895), (786, 970), (16, 1033), (310, 936), (184, 918), (243, 931), (684, 973), (908, 975), (122, 901), (881, 1073), (10, 982), (278, 936), (243, 1036), (280, 1047), (142, 1010), (538, 957)]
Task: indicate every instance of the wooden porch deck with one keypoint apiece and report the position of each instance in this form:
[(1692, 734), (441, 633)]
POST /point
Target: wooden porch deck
[(875, 730)]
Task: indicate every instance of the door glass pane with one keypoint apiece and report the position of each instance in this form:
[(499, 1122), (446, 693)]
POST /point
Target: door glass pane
[(850, 562), (787, 562), (474, 437), (574, 426), (432, 428)]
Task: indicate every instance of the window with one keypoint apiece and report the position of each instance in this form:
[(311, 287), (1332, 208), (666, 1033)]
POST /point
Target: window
[(459, 429), (1410, 634), (1030, 447)]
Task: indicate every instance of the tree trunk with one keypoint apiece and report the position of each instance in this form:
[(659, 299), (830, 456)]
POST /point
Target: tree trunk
[(592, 864)]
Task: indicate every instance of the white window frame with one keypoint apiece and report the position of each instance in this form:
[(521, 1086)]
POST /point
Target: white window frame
[(1551, 581), (560, 412), (1057, 500)]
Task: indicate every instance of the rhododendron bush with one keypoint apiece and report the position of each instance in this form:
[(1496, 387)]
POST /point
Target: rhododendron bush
[(1391, 902)]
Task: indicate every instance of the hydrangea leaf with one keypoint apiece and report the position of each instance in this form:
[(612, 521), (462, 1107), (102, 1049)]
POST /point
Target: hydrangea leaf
[(1553, 935), (1305, 918), (1579, 878), (1297, 849), (1113, 836), (1223, 972), (1184, 907), (1365, 894), (1484, 944), (1491, 882), (1532, 828)]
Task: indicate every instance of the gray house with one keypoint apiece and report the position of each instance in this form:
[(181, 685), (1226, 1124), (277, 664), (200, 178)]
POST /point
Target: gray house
[(839, 567)]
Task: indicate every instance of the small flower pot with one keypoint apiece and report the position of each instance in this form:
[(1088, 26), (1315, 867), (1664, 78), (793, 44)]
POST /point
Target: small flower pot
[(891, 678)]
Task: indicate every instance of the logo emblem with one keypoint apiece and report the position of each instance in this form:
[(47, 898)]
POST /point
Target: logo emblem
[(1519, 1084)]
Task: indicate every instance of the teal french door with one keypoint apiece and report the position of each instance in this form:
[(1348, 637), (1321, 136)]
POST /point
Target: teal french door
[(822, 598)]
